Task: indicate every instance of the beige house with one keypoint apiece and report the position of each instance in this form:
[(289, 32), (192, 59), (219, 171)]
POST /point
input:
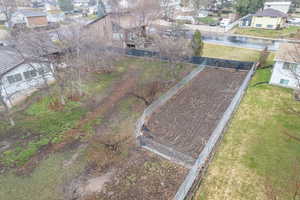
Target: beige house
[(269, 19)]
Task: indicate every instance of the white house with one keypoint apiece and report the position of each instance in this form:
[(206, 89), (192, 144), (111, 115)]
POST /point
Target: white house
[(81, 3), (55, 16), (19, 79), (286, 70), (283, 6)]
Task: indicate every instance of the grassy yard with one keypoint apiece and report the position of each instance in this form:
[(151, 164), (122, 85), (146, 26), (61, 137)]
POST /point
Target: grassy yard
[(259, 155), (233, 53), (288, 32), (46, 181), (42, 124), (207, 20)]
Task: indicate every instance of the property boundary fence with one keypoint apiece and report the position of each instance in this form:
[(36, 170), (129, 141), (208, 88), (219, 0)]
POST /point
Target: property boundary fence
[(210, 62), (164, 151), (204, 156)]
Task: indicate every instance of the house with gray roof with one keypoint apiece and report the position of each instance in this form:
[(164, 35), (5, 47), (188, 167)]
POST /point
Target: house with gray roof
[(269, 19), (19, 78)]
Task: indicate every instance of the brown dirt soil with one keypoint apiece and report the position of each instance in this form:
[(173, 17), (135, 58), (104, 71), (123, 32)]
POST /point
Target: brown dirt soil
[(188, 119), (144, 176)]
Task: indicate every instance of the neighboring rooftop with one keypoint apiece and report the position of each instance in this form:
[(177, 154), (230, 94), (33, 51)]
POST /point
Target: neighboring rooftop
[(9, 59), (288, 52), (278, 3), (270, 13), (32, 13)]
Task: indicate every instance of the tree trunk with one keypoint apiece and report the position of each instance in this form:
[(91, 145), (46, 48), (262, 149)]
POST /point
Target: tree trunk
[(11, 121), (7, 112), (62, 100)]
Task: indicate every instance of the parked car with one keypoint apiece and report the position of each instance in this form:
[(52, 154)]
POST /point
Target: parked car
[(214, 24), (294, 20), (225, 22)]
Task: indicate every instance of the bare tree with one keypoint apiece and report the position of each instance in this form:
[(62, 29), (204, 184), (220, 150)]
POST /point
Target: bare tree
[(198, 4), (173, 49), (6, 110), (8, 8)]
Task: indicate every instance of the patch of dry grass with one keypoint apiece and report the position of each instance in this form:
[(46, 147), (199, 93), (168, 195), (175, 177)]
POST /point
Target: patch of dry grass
[(232, 53)]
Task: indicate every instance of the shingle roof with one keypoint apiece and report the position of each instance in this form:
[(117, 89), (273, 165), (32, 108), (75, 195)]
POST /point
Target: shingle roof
[(270, 13), (288, 52), (9, 59), (32, 13)]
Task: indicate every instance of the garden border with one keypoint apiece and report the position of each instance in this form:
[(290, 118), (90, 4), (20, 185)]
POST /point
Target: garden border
[(204, 157)]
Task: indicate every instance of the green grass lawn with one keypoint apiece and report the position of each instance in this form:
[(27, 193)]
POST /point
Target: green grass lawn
[(40, 124), (3, 27), (45, 183), (232, 53), (256, 156), (288, 32), (207, 20)]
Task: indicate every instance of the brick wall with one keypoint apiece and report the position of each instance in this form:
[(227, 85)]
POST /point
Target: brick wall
[(33, 22)]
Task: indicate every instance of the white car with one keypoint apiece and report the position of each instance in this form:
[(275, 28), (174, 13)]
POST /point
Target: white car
[(294, 20), (225, 22)]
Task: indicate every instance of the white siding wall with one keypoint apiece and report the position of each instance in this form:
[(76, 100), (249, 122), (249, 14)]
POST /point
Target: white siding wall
[(281, 7), (279, 74), (13, 91)]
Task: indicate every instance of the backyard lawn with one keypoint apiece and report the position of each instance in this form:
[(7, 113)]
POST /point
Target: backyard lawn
[(232, 53), (43, 124), (207, 20), (288, 32), (258, 157), (53, 144)]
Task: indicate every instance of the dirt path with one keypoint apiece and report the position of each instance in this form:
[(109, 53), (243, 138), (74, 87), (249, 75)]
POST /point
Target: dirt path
[(119, 90)]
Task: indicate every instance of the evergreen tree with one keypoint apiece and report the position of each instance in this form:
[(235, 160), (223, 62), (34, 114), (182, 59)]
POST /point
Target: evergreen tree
[(244, 7), (197, 44), (65, 5)]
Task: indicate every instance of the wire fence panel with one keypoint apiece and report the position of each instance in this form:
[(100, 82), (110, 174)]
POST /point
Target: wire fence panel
[(205, 154), (215, 62), (158, 103)]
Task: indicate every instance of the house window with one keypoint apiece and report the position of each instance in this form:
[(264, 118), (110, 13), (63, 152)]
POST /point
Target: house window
[(115, 28), (258, 25), (289, 66), (30, 74), (43, 70), (284, 82), (14, 78), (269, 26)]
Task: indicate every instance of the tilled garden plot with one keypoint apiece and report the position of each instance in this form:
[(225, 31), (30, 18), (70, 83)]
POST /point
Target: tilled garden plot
[(187, 120)]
